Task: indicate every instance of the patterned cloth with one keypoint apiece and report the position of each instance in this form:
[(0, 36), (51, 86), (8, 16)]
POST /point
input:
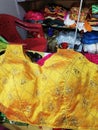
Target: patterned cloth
[(54, 15), (63, 93), (95, 9), (74, 11)]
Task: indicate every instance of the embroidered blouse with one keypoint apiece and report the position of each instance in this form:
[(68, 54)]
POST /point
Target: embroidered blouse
[(62, 93)]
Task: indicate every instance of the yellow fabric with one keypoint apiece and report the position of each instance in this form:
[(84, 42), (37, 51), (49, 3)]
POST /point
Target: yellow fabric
[(62, 93), (17, 127)]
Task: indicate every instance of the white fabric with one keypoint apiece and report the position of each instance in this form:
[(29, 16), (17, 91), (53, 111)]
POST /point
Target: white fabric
[(93, 48)]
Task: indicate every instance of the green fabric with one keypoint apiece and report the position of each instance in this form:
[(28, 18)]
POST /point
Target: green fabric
[(3, 43), (3, 119), (94, 9)]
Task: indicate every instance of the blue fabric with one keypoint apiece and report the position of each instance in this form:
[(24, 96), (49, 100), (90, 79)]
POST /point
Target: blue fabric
[(90, 37), (95, 16)]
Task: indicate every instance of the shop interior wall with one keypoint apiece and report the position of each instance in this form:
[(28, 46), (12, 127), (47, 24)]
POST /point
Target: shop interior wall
[(12, 7), (40, 4)]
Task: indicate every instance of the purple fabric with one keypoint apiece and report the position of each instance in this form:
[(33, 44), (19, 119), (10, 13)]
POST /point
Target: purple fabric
[(3, 128)]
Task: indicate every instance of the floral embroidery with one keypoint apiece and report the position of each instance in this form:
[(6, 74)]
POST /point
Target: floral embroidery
[(73, 121), (23, 81), (68, 90), (92, 84), (4, 80), (61, 93), (14, 71), (76, 71)]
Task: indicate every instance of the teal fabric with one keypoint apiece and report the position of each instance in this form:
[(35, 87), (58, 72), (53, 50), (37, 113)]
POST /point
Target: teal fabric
[(94, 9)]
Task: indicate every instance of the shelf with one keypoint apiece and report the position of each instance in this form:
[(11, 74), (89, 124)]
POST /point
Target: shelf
[(24, 0)]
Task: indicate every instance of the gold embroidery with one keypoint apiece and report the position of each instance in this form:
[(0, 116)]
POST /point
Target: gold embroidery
[(61, 93)]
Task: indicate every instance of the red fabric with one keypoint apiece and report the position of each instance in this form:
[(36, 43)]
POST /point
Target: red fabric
[(8, 30), (31, 15), (36, 44), (92, 57)]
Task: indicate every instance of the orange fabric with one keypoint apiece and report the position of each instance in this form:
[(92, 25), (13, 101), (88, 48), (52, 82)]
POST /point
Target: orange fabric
[(63, 93), (87, 26)]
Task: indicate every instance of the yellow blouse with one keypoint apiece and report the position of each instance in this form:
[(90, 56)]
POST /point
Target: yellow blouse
[(62, 93)]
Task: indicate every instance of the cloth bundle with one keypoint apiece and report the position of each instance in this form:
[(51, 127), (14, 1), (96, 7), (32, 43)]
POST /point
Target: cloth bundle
[(91, 57), (90, 37), (74, 11), (34, 17), (93, 15), (94, 12), (68, 37), (54, 14), (94, 9), (90, 41)]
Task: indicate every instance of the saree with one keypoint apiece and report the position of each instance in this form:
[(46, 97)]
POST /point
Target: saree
[(62, 93)]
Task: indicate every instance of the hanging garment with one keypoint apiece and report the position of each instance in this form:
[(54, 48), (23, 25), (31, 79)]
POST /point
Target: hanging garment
[(62, 93)]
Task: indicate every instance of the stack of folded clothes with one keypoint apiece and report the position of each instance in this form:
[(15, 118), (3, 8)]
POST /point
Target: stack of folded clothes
[(94, 15), (54, 15), (95, 11), (90, 42)]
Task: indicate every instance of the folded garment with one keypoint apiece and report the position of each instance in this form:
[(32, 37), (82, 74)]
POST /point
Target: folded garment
[(93, 23), (55, 9), (92, 48), (90, 37), (56, 22), (95, 16), (94, 9), (74, 11), (92, 57), (89, 41), (68, 37), (31, 15)]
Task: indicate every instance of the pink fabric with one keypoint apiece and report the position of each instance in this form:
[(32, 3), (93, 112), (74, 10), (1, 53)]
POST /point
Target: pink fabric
[(92, 57), (30, 15), (41, 61)]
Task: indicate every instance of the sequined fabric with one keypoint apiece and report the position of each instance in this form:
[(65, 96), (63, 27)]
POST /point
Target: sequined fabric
[(63, 93)]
